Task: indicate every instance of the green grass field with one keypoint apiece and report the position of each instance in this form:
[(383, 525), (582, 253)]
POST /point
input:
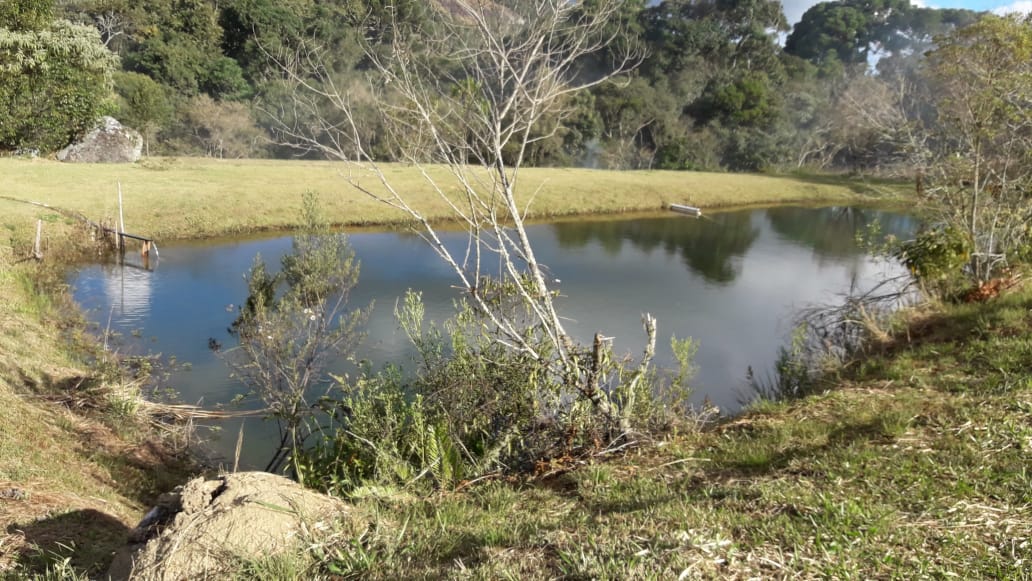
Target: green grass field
[(196, 198)]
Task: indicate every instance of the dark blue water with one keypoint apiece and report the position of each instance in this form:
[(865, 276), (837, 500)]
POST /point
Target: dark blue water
[(733, 281)]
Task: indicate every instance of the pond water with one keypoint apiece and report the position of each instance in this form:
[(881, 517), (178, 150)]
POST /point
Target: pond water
[(732, 280)]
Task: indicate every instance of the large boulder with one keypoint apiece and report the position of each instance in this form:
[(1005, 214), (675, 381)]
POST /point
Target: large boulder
[(108, 143), (207, 527)]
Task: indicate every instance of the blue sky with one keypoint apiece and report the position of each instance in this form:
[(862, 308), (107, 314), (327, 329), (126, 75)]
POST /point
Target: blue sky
[(794, 8)]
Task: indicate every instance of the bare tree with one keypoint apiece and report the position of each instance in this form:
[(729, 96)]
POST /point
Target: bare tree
[(470, 94), (111, 25), (880, 123)]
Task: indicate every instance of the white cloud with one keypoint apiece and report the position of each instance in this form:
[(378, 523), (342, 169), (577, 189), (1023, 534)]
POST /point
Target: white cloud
[(1020, 6)]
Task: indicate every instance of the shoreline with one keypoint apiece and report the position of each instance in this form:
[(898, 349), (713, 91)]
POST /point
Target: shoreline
[(192, 199)]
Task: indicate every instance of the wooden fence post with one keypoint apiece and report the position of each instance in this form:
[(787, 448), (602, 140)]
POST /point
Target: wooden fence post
[(37, 250), (121, 220)]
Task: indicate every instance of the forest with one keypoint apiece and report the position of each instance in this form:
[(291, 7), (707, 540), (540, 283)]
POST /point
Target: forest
[(717, 84)]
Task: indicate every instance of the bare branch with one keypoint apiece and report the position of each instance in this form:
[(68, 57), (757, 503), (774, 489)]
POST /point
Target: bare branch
[(469, 95)]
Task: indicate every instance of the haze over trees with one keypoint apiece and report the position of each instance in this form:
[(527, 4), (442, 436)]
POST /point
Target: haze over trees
[(724, 84)]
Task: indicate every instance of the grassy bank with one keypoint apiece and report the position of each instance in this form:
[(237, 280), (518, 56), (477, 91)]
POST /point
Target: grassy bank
[(78, 464), (915, 465), (195, 198)]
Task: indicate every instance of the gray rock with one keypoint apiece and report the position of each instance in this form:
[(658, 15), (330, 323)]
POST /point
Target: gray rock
[(207, 527), (111, 142), (13, 494), (26, 152)]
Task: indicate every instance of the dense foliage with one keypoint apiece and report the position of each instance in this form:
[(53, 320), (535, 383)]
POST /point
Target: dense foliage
[(978, 162), (55, 77), (724, 84)]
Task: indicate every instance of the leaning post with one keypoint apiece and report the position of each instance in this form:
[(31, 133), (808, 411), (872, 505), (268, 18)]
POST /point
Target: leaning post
[(121, 220), (37, 251)]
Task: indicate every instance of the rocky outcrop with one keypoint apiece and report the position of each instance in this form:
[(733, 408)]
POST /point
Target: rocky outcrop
[(207, 527), (108, 143)]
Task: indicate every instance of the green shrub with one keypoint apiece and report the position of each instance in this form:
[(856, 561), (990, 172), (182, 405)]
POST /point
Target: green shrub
[(473, 407), (55, 83), (293, 323), (936, 258)]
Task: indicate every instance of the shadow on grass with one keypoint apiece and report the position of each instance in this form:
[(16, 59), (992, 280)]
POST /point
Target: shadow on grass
[(1007, 316), (773, 462), (753, 459), (856, 184), (141, 468), (89, 538), (977, 343)]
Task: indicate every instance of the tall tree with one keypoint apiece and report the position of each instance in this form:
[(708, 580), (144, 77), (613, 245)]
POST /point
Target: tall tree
[(55, 77), (850, 31), (722, 61), (723, 34), (142, 104)]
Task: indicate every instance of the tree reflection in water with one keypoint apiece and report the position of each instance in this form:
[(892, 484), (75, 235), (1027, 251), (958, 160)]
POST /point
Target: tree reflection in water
[(708, 246)]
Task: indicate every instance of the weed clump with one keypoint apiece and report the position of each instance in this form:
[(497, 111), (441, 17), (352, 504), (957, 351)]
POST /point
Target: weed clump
[(472, 408)]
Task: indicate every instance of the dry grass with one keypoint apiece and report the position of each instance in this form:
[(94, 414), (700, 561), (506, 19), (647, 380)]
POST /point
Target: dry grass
[(72, 483), (195, 198)]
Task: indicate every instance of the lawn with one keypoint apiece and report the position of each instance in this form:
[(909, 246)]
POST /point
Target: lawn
[(169, 198)]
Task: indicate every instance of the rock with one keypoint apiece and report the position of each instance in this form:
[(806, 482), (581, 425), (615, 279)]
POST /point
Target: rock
[(13, 494), (203, 529), (26, 152), (108, 143)]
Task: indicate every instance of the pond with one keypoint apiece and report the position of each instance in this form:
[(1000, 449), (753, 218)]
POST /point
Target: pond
[(731, 280)]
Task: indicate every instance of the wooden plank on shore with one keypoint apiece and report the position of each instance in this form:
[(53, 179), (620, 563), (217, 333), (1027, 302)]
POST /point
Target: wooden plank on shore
[(687, 210)]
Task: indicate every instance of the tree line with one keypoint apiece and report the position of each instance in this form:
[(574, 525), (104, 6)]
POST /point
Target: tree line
[(721, 84)]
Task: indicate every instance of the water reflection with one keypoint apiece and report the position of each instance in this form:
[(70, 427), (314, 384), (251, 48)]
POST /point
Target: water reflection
[(709, 246), (833, 232), (732, 281), (129, 292)]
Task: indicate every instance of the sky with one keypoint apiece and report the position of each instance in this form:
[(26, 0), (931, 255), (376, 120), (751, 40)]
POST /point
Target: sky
[(794, 8)]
